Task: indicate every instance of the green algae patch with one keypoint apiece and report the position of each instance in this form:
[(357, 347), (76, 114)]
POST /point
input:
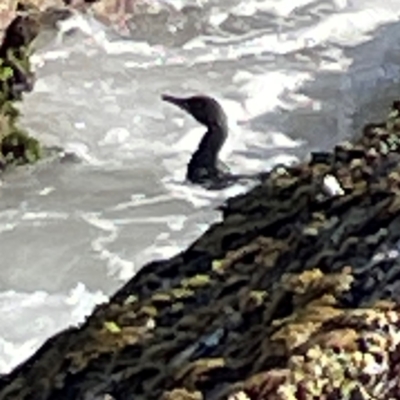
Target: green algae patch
[(20, 148), (132, 299), (217, 266), (177, 307), (6, 73), (196, 281), (258, 296), (161, 298), (150, 311), (17, 147), (112, 327), (182, 293)]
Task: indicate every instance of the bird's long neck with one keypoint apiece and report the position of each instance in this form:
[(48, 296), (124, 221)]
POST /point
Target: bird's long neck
[(212, 142)]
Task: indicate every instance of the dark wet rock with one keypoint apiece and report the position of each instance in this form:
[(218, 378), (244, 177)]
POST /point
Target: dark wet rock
[(51, 16), (294, 295), (51, 10), (19, 148)]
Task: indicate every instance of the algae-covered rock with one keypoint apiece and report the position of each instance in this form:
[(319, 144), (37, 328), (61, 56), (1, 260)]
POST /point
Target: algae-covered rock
[(16, 77), (19, 148)]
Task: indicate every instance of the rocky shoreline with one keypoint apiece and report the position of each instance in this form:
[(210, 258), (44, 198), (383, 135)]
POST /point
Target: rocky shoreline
[(294, 295)]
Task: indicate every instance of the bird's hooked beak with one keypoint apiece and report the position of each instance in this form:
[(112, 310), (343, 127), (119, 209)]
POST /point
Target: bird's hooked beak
[(179, 102)]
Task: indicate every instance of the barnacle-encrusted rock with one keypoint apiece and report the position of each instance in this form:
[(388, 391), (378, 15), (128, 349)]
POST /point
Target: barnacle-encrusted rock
[(295, 295)]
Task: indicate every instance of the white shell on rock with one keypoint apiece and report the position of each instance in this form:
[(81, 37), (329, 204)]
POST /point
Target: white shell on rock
[(332, 186)]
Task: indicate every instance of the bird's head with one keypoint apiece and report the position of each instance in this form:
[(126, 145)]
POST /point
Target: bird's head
[(204, 109)]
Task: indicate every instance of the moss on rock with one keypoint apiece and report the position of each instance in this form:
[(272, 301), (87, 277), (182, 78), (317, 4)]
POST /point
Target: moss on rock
[(16, 77), (19, 148)]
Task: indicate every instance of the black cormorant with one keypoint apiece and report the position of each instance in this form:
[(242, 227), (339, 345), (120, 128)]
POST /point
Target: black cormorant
[(204, 168)]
